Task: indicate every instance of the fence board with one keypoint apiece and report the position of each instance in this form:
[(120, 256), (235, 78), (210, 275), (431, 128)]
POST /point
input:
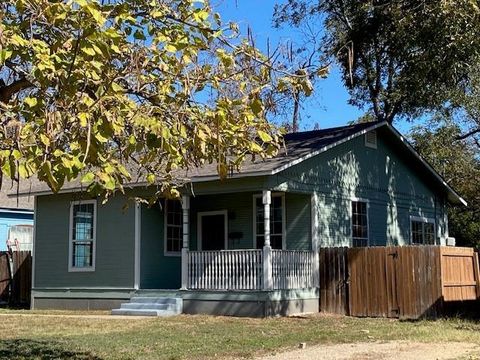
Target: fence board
[(333, 280), (15, 283), (4, 277)]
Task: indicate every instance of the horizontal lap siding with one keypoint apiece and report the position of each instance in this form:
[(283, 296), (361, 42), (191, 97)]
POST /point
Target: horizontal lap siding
[(114, 266), (386, 177), (298, 221), (157, 271)]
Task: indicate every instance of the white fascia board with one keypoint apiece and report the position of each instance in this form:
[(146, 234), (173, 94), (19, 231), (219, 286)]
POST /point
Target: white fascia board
[(16, 211)]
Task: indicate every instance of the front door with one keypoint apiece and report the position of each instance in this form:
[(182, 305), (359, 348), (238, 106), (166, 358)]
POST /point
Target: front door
[(213, 230)]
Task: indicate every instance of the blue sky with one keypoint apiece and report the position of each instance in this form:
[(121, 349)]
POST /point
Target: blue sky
[(328, 107)]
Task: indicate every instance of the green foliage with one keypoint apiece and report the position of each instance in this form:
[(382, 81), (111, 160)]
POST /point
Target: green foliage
[(459, 163), (398, 58), (118, 91)]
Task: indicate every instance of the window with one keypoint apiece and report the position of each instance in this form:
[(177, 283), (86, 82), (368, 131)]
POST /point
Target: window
[(371, 139), (359, 223), (422, 230), (276, 221), (82, 235), (173, 227)]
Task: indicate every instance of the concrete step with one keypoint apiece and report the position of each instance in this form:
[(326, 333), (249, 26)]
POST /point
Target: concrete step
[(156, 300), (143, 312), (151, 306)]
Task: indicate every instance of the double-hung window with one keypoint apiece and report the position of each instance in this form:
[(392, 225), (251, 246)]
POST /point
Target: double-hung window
[(277, 221), (173, 227), (422, 230), (359, 223), (82, 235)]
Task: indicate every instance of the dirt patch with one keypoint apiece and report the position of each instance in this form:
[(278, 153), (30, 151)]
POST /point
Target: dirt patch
[(399, 350)]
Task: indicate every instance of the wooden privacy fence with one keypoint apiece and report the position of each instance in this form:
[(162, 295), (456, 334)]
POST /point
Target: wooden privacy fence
[(403, 282), (460, 274), (15, 277), (5, 277)]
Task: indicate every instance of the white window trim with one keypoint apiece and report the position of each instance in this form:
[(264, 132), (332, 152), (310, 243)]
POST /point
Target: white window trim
[(284, 219), (356, 199), (72, 268), (199, 226), (368, 144), (165, 251), (425, 220)]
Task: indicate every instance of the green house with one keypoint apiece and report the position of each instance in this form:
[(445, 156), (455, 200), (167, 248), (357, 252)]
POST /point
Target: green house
[(243, 246)]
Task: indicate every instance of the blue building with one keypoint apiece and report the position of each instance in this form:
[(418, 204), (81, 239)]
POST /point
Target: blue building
[(16, 217)]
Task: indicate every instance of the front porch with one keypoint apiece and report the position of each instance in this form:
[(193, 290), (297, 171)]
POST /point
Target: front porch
[(223, 273), (271, 267)]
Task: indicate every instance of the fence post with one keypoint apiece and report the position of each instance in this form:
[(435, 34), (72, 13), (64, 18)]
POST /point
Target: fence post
[(267, 268)]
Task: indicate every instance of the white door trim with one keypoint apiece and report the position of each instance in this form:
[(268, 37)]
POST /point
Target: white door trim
[(199, 226)]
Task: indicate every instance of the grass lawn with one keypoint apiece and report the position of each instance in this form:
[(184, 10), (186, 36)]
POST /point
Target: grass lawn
[(56, 335)]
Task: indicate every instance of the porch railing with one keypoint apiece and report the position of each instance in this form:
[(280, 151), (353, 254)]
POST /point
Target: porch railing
[(265, 269), (225, 270), (293, 269)]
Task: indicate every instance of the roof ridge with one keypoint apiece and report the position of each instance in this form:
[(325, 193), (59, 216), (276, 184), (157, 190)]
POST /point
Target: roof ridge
[(332, 129)]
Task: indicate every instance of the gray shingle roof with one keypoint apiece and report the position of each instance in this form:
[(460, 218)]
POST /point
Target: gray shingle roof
[(8, 200), (298, 147)]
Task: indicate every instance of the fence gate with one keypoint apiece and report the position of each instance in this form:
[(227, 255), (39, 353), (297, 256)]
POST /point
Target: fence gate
[(334, 280), (403, 282)]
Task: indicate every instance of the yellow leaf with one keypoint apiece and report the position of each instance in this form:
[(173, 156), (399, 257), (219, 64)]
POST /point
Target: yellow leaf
[(97, 15), (45, 140), (116, 87), (83, 117), (88, 178), (171, 48), (115, 48), (151, 179), (30, 101), (88, 50), (264, 136)]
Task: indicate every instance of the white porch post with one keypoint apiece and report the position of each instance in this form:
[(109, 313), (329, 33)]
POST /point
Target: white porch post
[(186, 225), (267, 249)]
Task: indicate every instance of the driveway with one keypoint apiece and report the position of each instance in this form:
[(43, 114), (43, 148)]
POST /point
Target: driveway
[(398, 350)]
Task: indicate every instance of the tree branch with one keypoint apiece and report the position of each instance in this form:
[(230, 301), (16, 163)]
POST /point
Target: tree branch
[(7, 91), (468, 134)]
